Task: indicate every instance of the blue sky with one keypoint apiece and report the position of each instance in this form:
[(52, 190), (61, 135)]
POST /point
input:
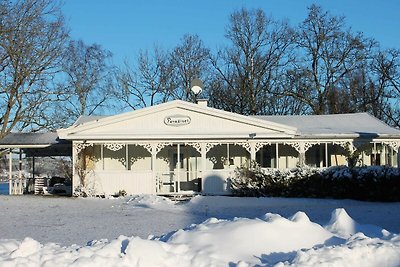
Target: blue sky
[(126, 26)]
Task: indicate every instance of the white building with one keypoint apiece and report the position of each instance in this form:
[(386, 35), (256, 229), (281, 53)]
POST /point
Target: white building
[(180, 147), (185, 148)]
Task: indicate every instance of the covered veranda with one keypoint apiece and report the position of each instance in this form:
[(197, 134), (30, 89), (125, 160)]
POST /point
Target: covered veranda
[(205, 167), (23, 152)]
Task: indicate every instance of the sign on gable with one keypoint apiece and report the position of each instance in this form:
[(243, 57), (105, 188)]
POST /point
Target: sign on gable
[(177, 120)]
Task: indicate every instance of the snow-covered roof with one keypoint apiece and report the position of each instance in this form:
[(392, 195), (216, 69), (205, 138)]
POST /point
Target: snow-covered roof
[(354, 124), (38, 144), (150, 123), (26, 139), (84, 119)]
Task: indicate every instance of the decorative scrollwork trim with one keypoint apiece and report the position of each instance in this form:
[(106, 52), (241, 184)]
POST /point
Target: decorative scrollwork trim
[(146, 146), (258, 146), (245, 145), (114, 146), (393, 144), (208, 146), (196, 146), (295, 145), (81, 146), (157, 147)]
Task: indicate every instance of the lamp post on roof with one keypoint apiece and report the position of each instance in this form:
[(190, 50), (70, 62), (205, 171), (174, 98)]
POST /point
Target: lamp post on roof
[(196, 86)]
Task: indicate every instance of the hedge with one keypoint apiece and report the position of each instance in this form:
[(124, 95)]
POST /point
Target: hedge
[(373, 183)]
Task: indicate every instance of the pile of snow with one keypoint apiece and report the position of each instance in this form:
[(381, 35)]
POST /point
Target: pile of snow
[(148, 201), (266, 241)]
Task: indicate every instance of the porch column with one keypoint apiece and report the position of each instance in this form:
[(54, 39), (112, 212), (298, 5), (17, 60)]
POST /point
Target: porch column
[(277, 155), (363, 157), (252, 151), (398, 157), (326, 155), (302, 154), (33, 167), (383, 154), (153, 167), (203, 163), (178, 156), (74, 166), (20, 173), (391, 156), (10, 183)]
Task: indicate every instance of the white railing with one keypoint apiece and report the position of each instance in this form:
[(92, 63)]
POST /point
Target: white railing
[(212, 182), (178, 182), (17, 186), (132, 182)]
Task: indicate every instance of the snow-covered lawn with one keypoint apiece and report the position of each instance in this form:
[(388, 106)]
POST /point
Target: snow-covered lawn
[(206, 231)]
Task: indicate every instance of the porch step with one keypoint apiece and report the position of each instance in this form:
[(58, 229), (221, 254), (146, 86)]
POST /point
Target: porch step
[(179, 197)]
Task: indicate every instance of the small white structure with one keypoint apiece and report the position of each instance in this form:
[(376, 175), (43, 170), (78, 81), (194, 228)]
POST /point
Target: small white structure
[(184, 148)]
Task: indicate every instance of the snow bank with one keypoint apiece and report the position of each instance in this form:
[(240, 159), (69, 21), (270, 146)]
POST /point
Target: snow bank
[(148, 201), (271, 240), (344, 226)]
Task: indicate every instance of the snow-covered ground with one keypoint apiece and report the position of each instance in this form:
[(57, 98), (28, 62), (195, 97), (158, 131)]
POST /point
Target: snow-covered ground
[(206, 231)]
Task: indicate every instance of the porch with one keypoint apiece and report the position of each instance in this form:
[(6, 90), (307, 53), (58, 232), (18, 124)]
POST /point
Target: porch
[(205, 167), (31, 162)]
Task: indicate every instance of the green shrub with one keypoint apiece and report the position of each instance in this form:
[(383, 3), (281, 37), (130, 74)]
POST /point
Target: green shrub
[(375, 183)]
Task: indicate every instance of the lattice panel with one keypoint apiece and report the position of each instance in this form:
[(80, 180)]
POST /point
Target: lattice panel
[(308, 145), (160, 146), (245, 145), (146, 146), (393, 144), (258, 146), (196, 146), (81, 146), (345, 145), (211, 145), (114, 146), (295, 145)]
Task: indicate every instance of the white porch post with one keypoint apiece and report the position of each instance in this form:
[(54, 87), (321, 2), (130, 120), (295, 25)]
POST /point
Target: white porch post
[(252, 151), (153, 167), (277, 155), (398, 157), (74, 162), (326, 155), (383, 154), (20, 173), (362, 157), (10, 183), (302, 154), (391, 151), (178, 156), (203, 164), (33, 167)]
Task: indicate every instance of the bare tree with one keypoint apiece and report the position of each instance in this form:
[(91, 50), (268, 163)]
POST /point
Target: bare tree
[(190, 61), (327, 53), (247, 72), (162, 75), (150, 84), (385, 76), (32, 37), (86, 82)]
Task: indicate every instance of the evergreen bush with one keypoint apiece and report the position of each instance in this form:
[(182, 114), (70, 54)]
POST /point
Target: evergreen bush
[(373, 183)]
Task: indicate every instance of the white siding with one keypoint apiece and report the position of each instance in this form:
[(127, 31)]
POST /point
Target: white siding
[(111, 182)]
